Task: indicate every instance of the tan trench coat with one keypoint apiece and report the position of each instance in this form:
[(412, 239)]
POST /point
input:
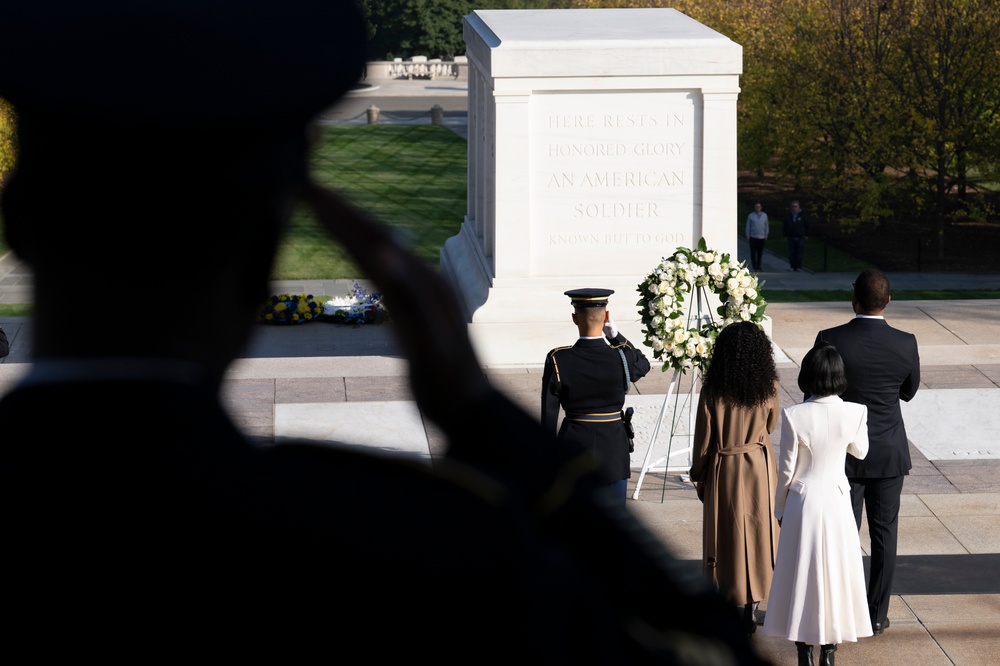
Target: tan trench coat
[(734, 468)]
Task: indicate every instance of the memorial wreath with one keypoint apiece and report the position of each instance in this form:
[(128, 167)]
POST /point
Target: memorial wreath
[(289, 309), (356, 308), (667, 289)]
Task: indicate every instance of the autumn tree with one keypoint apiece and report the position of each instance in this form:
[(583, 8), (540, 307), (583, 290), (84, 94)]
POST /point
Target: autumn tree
[(949, 75), (403, 28), (7, 138)]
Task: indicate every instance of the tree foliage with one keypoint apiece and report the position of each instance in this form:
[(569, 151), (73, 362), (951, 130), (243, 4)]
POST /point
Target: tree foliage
[(404, 28), (8, 152)]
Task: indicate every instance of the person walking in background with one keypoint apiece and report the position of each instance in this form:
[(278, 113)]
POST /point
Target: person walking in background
[(817, 595), (757, 232), (733, 469), (883, 367), (589, 380), (796, 230)]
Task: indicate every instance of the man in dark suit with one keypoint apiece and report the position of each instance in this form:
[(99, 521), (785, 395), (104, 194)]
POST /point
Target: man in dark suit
[(162, 149), (883, 367), (796, 231), (589, 380)]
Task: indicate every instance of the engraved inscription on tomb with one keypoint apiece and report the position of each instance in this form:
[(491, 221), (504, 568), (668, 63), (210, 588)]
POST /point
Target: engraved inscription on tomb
[(617, 173)]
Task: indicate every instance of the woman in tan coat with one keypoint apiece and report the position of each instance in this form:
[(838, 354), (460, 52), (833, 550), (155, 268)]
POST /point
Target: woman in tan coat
[(733, 467)]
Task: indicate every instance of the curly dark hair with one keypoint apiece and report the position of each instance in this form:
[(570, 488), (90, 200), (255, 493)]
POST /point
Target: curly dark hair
[(742, 369)]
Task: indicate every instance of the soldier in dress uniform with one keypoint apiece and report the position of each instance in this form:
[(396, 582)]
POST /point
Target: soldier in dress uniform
[(589, 380)]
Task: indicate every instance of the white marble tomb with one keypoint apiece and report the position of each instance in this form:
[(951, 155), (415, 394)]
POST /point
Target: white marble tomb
[(600, 140)]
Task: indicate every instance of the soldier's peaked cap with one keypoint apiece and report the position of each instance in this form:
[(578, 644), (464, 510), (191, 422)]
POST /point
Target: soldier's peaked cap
[(214, 64), (589, 298)]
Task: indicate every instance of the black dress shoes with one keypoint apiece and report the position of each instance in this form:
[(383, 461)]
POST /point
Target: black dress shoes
[(750, 617), (879, 627), (805, 654)]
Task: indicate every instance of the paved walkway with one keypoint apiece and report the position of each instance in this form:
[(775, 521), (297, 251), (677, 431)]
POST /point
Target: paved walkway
[(309, 380)]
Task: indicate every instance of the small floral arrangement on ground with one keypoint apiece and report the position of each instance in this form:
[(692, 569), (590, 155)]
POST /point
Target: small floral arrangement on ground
[(289, 309), (357, 308), (679, 340)]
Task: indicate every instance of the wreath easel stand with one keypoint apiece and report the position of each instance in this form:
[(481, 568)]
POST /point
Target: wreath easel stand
[(698, 316)]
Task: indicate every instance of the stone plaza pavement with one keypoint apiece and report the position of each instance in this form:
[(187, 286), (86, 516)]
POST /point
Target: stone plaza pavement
[(336, 383)]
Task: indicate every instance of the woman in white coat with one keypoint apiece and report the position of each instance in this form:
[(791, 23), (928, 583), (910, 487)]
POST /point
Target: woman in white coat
[(818, 592)]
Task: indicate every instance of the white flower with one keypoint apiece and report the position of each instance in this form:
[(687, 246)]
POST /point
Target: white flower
[(745, 280), (751, 293), (654, 288), (708, 257), (657, 344), (732, 283), (753, 308), (715, 270), (680, 335), (701, 348)]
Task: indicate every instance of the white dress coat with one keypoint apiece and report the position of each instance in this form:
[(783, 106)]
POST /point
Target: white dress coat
[(818, 589)]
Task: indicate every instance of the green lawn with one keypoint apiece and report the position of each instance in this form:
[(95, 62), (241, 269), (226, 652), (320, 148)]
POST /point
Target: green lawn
[(412, 177)]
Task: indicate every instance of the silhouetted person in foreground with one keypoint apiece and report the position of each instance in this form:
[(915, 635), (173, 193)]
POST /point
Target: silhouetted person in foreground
[(162, 147)]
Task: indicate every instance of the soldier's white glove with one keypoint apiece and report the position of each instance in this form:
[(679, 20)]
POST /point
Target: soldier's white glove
[(610, 329)]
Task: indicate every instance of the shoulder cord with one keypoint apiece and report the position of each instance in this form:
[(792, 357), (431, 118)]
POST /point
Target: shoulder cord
[(628, 376)]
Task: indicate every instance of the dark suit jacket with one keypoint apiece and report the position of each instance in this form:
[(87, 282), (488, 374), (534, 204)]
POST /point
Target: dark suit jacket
[(883, 367), (589, 378), (796, 226)]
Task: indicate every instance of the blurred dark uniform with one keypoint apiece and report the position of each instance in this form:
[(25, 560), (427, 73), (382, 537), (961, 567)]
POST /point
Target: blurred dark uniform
[(588, 380), (138, 519)]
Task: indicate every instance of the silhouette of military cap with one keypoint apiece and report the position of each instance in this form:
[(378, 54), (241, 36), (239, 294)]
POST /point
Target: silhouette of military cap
[(589, 298), (183, 63)]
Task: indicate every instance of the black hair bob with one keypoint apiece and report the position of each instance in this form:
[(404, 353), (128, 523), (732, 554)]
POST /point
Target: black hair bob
[(822, 372)]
